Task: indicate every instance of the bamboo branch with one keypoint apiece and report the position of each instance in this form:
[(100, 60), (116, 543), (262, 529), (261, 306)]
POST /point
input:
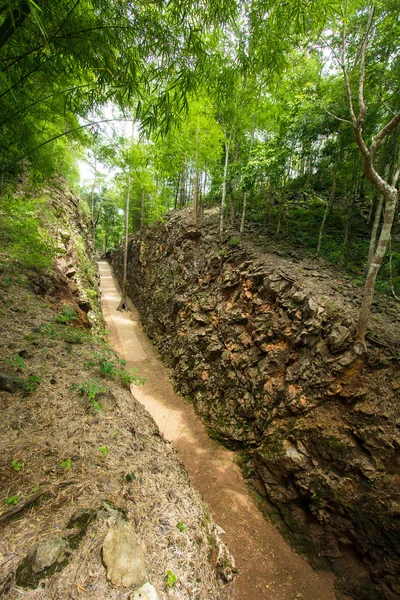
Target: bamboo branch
[(56, 137)]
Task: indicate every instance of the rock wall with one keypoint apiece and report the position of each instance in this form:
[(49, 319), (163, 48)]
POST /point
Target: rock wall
[(263, 347)]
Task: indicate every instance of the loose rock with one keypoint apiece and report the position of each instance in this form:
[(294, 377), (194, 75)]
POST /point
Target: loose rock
[(47, 558), (123, 556), (146, 592)]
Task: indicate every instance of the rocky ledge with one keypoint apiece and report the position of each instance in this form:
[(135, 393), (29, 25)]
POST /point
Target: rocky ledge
[(263, 347)]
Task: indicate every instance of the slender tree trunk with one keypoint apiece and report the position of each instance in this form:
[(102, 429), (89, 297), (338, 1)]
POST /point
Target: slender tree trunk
[(281, 202), (347, 230), (196, 189), (123, 304), (233, 190), (278, 226), (177, 192), (374, 232), (232, 208), (93, 192), (390, 202), (223, 199), (268, 199), (351, 201), (182, 190), (243, 213), (200, 194), (372, 208), (142, 213), (377, 220), (204, 187), (328, 207)]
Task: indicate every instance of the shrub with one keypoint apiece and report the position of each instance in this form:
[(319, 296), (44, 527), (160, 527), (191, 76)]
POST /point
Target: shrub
[(22, 235)]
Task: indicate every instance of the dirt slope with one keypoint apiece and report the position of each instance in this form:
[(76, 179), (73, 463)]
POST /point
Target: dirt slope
[(78, 453)]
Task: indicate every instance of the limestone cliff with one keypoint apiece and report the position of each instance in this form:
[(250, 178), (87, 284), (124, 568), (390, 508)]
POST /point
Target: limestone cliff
[(263, 347)]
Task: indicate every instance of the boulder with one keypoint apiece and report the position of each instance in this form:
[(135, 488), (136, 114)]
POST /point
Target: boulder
[(44, 560), (123, 556)]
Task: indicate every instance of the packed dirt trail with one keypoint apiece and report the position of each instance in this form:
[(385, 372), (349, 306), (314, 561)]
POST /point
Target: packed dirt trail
[(268, 569)]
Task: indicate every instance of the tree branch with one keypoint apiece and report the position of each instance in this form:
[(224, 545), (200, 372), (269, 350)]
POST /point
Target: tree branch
[(335, 116), (56, 137), (346, 78), (380, 136), (10, 88), (396, 175), (13, 22), (361, 99), (26, 108)]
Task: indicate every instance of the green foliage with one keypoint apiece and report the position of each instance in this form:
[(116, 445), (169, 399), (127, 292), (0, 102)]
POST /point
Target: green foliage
[(234, 242), (91, 388), (67, 333), (67, 315), (23, 237), (171, 578), (12, 499), (17, 466), (103, 450), (66, 464), (181, 526), (250, 78), (106, 368), (115, 368), (16, 362), (31, 384)]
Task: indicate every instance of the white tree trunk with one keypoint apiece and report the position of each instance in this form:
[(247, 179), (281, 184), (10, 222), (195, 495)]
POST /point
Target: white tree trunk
[(122, 304), (223, 199), (391, 201), (196, 189), (142, 212), (374, 233), (243, 213)]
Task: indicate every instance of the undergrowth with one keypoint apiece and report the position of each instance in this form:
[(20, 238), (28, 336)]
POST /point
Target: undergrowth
[(23, 235), (300, 229)]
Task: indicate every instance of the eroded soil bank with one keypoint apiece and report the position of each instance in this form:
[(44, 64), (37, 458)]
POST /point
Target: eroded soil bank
[(263, 348), (267, 568), (78, 454)]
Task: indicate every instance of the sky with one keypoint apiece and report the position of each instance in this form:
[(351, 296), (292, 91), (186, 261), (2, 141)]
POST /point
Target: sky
[(117, 128)]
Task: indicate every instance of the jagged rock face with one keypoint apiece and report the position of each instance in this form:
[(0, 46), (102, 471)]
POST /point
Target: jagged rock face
[(270, 366)]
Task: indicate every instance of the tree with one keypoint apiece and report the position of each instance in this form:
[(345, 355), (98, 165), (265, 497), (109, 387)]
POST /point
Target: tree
[(368, 148)]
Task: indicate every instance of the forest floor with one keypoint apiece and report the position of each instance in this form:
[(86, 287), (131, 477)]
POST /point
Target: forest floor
[(326, 281), (268, 568), (64, 452)]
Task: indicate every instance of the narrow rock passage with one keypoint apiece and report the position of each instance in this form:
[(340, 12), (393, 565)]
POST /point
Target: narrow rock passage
[(267, 567)]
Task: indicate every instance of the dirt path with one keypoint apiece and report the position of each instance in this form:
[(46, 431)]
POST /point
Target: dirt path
[(268, 568)]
